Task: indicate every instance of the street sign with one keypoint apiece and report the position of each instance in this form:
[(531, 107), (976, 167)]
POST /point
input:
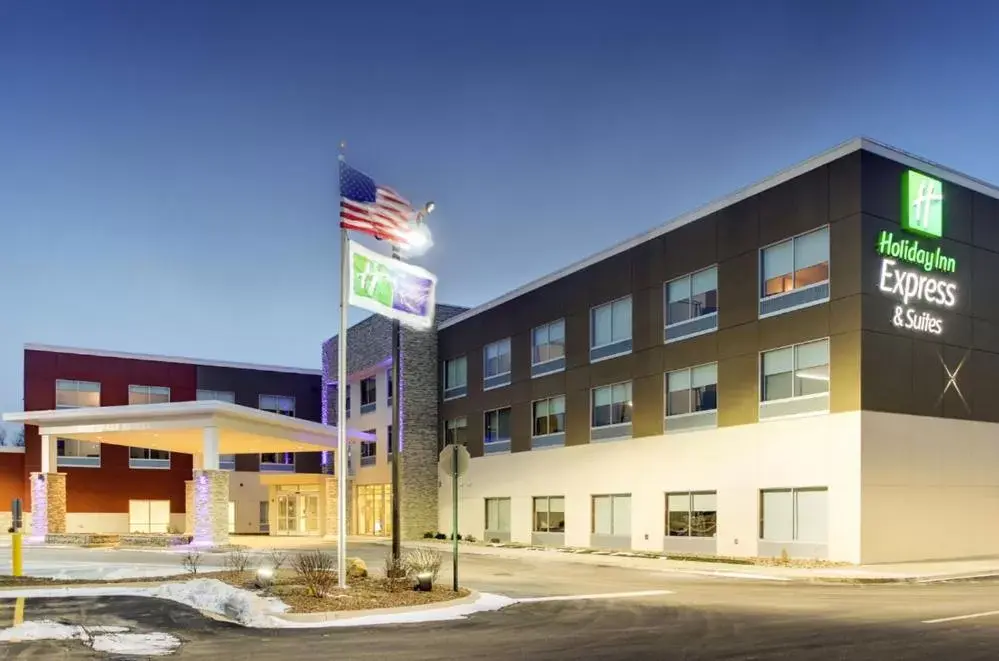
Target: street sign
[(446, 461)]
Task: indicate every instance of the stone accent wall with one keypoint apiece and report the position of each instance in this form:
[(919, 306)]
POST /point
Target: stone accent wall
[(211, 507), (48, 504), (328, 507), (189, 507)]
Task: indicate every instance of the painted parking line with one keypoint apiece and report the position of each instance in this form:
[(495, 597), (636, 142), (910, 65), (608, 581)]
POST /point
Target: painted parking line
[(19, 611), (605, 595), (970, 616)]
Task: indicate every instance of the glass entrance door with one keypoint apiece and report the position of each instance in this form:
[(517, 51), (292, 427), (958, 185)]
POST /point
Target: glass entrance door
[(297, 514)]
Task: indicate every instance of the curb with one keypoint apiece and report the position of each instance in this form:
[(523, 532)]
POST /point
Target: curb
[(330, 616)]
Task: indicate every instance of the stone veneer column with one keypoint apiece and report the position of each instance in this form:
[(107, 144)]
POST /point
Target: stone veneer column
[(48, 504), (189, 507), (420, 431), (211, 507)]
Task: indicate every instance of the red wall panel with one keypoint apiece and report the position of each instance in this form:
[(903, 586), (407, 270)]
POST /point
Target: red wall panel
[(110, 487), (12, 479)]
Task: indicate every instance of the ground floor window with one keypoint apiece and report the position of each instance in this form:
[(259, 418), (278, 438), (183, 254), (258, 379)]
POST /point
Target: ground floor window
[(794, 515), (612, 515), (691, 514), (148, 516), (549, 514), (498, 514), (265, 517)]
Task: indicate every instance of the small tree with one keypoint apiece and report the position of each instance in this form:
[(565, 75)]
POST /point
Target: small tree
[(19, 439), (3, 437)]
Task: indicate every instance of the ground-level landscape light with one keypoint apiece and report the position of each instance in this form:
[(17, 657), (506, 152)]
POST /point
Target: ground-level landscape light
[(424, 582), (265, 577)]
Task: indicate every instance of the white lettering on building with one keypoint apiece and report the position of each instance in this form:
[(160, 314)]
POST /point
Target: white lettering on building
[(913, 286)]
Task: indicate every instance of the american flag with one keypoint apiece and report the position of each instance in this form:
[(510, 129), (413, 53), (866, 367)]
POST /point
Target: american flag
[(373, 209)]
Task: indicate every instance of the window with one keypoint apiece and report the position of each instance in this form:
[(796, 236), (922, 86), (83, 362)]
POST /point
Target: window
[(691, 514), (455, 377), (497, 430), (794, 515), (793, 265), (498, 514), (278, 404), (796, 371), (277, 461), (148, 395), (227, 462), (692, 296), (216, 396), (146, 458), (388, 435), (388, 385), (610, 329), (347, 401), (454, 431), (549, 514), (71, 395), (692, 390), (369, 394), (369, 450), (612, 515), (611, 405), (497, 364), (548, 345), (549, 416), (76, 394)]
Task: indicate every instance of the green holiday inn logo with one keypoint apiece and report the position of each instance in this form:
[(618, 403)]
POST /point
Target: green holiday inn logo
[(922, 205), (909, 250)]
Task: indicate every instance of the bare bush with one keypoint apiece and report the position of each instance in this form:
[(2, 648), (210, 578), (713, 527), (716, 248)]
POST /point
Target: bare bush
[(396, 575), (424, 561), (192, 562), (317, 570), (238, 561), (277, 558)]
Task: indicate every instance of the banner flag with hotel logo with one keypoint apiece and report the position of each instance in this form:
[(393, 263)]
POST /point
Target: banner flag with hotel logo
[(391, 288)]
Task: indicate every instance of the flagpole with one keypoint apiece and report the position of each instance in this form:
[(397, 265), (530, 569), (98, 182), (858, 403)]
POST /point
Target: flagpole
[(341, 411)]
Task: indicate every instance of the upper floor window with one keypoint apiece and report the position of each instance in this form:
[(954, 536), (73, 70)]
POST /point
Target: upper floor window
[(75, 394), (548, 348), (389, 440), (277, 462), (369, 450), (146, 458), (388, 385), (497, 430), (610, 329), (795, 272), (799, 372), (369, 395), (455, 377), (455, 431), (692, 304), (148, 395), (497, 364), (278, 404), (549, 416), (347, 400), (216, 396), (692, 390), (610, 412)]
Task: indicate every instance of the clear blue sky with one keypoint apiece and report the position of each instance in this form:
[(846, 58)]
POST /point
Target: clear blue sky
[(167, 169)]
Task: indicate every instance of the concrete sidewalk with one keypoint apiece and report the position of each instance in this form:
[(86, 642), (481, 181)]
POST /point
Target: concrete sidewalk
[(910, 572)]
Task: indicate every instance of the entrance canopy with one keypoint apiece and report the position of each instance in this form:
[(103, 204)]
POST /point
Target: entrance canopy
[(185, 427)]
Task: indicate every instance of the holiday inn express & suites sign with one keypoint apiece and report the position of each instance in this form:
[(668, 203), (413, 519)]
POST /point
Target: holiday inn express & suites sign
[(926, 284)]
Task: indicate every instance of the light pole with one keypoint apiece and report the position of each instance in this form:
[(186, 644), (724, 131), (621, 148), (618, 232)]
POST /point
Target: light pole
[(419, 242)]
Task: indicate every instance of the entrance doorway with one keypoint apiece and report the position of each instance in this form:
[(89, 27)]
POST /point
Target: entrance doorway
[(297, 513), (373, 509)]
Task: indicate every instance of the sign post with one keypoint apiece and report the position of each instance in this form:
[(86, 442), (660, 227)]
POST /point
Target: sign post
[(453, 461)]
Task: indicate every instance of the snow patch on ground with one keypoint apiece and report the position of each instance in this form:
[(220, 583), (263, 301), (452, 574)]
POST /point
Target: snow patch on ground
[(137, 644), (208, 594), (49, 630)]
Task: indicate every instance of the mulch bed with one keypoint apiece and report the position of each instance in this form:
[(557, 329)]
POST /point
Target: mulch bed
[(363, 593)]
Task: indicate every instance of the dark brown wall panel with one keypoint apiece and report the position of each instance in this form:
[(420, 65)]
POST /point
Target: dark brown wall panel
[(647, 397), (738, 398), (845, 371), (797, 206)]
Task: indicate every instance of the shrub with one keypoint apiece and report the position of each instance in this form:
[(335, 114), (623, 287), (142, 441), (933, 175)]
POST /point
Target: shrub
[(785, 559), (356, 568), (440, 535), (396, 578), (495, 540), (428, 535), (317, 570), (424, 561), (238, 561), (277, 558), (191, 561), (468, 538)]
